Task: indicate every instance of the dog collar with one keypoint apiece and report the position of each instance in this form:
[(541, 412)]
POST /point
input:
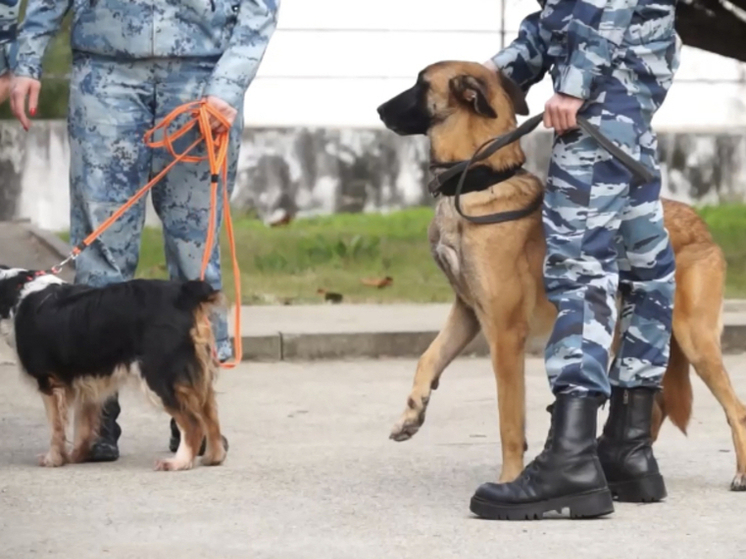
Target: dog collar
[(478, 178)]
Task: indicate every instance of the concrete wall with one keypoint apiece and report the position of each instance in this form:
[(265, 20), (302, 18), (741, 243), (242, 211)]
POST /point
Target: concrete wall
[(321, 170)]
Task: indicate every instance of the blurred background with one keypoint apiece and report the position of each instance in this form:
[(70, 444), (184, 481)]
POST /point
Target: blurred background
[(328, 200)]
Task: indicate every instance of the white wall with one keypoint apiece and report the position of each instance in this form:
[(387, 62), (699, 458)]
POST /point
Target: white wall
[(332, 62)]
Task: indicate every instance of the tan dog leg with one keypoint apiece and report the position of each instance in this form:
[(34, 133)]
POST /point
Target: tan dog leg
[(87, 419), (702, 346), (191, 439), (460, 328), (697, 326), (507, 349), (215, 453), (56, 407)]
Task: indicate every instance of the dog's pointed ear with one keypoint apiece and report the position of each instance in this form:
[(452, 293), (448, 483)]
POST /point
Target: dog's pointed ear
[(515, 94), (473, 92)]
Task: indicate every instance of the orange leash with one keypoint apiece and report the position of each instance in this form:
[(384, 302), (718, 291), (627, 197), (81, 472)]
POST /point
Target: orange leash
[(217, 154)]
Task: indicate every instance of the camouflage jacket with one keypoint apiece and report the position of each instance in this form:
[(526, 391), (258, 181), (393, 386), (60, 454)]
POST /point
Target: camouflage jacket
[(581, 40), (234, 33), (8, 24)]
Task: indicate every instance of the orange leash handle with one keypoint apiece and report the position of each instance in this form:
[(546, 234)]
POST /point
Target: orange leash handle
[(217, 155)]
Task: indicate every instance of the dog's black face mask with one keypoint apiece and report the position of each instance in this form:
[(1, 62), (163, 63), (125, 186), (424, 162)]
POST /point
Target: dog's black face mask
[(12, 281), (406, 114)]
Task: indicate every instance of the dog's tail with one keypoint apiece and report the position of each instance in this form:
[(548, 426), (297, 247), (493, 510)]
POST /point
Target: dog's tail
[(195, 293), (199, 297), (676, 398)]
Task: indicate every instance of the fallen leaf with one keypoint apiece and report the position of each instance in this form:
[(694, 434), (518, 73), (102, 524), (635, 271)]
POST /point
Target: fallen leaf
[(378, 282)]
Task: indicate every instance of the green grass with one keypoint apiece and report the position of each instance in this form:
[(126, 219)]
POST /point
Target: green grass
[(727, 223), (290, 264)]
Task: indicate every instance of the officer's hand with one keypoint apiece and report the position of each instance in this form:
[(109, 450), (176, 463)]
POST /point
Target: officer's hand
[(560, 112), (5, 86), (21, 88), (228, 112)]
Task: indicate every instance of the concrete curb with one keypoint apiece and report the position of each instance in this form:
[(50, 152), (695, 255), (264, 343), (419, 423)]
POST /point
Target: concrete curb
[(374, 345), (51, 241)]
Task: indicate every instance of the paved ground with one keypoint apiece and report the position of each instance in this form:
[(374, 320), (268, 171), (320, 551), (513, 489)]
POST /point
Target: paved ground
[(311, 474)]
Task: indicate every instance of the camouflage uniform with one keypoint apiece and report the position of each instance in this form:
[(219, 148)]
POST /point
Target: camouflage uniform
[(134, 61), (620, 57), (8, 26)]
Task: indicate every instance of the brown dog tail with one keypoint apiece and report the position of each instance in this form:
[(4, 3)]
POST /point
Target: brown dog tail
[(677, 397), (199, 298)]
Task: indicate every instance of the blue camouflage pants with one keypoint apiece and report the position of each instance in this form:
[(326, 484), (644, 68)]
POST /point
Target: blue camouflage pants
[(603, 235), (112, 104)]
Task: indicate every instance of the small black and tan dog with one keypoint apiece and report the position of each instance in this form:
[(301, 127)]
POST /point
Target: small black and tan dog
[(81, 344)]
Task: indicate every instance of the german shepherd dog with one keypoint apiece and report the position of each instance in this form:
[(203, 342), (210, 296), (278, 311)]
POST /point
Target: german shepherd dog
[(496, 270)]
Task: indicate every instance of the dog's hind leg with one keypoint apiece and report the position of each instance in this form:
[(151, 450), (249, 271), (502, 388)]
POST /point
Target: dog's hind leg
[(216, 452), (87, 420), (460, 328), (697, 325), (55, 405), (188, 419), (189, 443), (703, 348)]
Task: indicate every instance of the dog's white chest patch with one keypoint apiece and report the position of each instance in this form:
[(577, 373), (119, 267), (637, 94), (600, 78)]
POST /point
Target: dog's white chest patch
[(42, 282)]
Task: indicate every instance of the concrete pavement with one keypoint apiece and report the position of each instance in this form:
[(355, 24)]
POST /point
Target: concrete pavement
[(312, 474)]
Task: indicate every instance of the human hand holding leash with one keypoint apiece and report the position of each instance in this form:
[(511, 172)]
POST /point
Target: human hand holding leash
[(561, 112), (22, 87), (228, 112)]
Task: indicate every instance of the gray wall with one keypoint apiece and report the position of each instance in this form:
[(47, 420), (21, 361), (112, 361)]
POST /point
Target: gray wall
[(311, 171)]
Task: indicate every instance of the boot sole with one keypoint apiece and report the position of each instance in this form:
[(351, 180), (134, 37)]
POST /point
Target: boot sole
[(648, 489), (586, 505)]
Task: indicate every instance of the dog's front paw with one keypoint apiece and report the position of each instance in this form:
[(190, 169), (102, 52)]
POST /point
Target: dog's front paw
[(738, 483), (52, 459), (410, 422), (172, 465)]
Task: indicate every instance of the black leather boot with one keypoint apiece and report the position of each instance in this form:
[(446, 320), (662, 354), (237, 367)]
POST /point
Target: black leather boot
[(173, 443), (626, 447), (104, 448), (567, 473)]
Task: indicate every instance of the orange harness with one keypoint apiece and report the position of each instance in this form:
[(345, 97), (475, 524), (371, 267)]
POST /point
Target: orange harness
[(217, 152)]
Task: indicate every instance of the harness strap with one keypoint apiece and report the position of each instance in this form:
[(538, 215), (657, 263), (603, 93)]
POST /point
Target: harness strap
[(639, 172), (478, 178)]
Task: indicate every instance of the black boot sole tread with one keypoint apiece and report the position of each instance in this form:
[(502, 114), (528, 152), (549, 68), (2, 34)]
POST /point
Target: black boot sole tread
[(586, 505)]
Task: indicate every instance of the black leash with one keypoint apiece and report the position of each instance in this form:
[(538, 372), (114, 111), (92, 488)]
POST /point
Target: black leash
[(435, 187)]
